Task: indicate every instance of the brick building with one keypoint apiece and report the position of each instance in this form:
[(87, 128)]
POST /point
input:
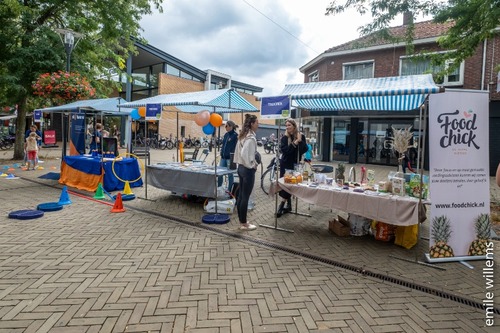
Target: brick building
[(360, 137), (156, 72)]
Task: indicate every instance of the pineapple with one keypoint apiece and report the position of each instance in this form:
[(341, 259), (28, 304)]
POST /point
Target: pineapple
[(483, 231), (441, 231)]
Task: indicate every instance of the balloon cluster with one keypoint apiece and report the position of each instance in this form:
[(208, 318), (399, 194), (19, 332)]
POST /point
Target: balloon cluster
[(208, 121), (137, 114)]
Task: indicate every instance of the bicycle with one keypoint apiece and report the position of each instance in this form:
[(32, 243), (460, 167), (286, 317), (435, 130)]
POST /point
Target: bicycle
[(268, 177)]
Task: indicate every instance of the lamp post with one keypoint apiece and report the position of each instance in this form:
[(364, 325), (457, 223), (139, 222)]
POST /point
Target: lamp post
[(68, 37)]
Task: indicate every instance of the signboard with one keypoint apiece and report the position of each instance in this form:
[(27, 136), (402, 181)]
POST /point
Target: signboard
[(37, 116), (153, 111), (49, 137), (460, 181), (276, 107)]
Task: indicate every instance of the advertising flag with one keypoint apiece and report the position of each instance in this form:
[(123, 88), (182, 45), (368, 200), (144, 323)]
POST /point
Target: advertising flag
[(276, 107), (153, 111)]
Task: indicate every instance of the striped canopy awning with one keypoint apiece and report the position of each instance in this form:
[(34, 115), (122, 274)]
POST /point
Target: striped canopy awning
[(221, 101), (105, 105), (400, 93)]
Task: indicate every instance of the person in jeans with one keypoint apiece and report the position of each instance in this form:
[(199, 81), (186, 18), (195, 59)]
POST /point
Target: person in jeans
[(292, 146), (244, 156), (228, 147)]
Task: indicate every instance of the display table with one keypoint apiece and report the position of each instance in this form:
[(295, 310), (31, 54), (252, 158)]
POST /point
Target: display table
[(383, 207), (86, 173), (195, 179)]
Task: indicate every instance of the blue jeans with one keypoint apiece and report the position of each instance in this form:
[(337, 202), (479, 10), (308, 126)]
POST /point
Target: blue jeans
[(247, 180), (225, 162)]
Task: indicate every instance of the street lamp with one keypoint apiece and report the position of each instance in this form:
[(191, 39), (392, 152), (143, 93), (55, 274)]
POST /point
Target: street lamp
[(68, 37)]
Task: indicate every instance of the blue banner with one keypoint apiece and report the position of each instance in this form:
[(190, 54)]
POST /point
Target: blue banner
[(37, 116), (153, 111), (275, 107), (77, 133)]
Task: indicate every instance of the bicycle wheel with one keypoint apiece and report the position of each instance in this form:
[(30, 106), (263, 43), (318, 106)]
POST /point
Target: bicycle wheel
[(169, 145), (267, 149), (267, 178)]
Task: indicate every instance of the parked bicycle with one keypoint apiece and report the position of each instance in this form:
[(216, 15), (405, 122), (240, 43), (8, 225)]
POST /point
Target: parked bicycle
[(268, 177)]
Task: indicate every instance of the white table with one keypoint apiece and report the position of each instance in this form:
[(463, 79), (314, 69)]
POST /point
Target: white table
[(383, 207), (195, 179)]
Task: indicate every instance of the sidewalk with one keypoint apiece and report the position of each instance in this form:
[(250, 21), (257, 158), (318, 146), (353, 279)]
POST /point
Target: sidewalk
[(156, 267)]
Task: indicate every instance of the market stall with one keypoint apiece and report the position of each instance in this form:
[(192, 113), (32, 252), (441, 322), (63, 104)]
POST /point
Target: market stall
[(397, 94), (214, 101), (86, 172)]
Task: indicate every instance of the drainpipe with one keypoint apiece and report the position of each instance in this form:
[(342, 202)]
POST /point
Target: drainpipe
[(483, 71)]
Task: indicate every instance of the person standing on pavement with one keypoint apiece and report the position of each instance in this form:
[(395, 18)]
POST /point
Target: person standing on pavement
[(244, 156), (292, 146), (33, 129), (228, 147), (95, 144), (31, 148)]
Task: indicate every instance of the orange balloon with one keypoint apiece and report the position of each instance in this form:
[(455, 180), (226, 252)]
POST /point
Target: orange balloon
[(215, 119), (142, 111)]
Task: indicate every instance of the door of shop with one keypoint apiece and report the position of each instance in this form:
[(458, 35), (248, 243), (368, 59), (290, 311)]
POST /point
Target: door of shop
[(380, 141)]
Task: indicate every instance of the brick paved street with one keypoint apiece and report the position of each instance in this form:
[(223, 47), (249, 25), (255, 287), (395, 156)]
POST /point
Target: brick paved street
[(157, 268)]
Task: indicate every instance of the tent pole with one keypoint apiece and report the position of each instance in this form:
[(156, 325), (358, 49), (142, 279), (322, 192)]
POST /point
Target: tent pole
[(276, 176)]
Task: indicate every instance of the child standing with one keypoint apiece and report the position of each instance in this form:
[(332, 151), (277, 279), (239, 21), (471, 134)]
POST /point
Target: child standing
[(31, 148)]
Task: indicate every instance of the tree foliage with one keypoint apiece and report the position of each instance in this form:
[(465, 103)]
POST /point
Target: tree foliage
[(30, 45), (475, 20)]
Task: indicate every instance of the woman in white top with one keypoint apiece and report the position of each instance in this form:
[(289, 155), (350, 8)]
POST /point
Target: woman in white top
[(244, 156)]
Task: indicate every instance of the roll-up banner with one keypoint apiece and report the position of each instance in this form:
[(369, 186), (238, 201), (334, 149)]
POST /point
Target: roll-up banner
[(459, 176)]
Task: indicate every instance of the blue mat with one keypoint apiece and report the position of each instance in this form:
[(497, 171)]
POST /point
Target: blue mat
[(51, 175)]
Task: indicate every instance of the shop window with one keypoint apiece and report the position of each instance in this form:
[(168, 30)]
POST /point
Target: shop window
[(313, 77)]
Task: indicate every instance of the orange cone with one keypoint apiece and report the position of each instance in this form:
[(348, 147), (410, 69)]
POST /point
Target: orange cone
[(118, 207)]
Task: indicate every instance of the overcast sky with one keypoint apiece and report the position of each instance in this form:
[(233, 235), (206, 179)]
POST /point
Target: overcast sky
[(259, 42)]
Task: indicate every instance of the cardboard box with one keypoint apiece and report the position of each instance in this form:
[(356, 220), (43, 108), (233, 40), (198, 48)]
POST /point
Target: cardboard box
[(339, 228)]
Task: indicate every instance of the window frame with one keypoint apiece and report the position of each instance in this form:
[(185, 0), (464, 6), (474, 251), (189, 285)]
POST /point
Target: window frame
[(355, 63), (446, 82), (313, 76)]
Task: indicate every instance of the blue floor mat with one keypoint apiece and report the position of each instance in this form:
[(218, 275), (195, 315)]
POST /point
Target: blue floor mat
[(51, 175)]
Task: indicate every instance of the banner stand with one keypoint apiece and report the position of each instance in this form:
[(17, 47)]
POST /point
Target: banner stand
[(420, 163)]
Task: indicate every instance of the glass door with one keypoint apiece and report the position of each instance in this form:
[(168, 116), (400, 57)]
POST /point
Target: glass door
[(380, 141)]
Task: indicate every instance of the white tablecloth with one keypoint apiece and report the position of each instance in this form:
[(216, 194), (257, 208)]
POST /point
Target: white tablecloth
[(383, 207)]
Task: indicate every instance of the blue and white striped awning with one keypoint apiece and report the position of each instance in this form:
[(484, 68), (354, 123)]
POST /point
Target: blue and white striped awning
[(400, 93), (220, 101), (106, 105)]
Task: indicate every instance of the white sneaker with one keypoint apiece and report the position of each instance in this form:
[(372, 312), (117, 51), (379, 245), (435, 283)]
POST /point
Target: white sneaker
[(248, 226)]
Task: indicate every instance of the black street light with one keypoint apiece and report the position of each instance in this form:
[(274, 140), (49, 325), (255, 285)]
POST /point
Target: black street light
[(68, 37)]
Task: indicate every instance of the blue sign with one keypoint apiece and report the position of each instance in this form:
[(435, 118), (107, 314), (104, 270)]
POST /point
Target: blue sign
[(275, 107), (37, 116), (153, 111)]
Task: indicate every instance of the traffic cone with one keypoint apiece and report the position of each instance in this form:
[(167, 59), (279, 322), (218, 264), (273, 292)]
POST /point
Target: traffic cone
[(118, 206), (99, 193), (126, 189), (64, 199)]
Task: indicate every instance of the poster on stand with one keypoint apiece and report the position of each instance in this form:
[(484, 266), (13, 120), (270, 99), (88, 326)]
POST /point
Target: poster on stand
[(77, 134), (459, 174), (276, 107)]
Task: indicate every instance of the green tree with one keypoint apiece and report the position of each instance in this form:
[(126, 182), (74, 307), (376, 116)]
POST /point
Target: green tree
[(475, 21), (30, 45)]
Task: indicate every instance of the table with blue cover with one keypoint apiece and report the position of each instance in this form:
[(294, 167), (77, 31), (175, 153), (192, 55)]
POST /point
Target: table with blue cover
[(86, 172), (195, 179)]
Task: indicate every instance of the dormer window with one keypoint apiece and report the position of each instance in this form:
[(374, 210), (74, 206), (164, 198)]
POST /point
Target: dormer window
[(313, 77)]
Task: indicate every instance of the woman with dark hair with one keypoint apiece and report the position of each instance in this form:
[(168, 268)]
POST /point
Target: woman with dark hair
[(292, 146), (244, 156), (228, 147)]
